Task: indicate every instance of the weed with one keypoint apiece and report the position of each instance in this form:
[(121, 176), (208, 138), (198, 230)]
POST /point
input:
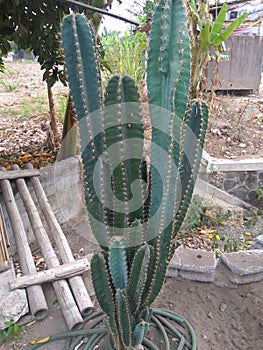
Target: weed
[(9, 72), (11, 333), (259, 193), (61, 106), (126, 54), (195, 214), (8, 86), (252, 221), (235, 244)]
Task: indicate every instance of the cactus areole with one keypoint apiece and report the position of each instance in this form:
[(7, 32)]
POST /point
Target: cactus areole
[(136, 201)]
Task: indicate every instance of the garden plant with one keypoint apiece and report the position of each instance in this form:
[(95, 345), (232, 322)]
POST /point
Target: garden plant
[(136, 200)]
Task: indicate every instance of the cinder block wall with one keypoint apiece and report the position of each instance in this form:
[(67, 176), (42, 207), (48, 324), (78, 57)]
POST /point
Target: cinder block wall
[(239, 178)]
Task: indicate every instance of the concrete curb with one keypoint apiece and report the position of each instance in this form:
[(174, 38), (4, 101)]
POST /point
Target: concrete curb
[(238, 178)]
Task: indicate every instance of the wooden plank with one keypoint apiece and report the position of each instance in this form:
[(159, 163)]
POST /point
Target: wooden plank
[(56, 273), (243, 69), (4, 255), (15, 174)]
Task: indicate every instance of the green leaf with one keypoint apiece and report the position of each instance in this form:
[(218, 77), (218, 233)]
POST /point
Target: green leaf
[(229, 30), (219, 22), (15, 329), (204, 38), (196, 13)]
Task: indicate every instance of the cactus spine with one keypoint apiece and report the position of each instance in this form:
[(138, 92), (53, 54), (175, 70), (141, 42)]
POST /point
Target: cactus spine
[(135, 213)]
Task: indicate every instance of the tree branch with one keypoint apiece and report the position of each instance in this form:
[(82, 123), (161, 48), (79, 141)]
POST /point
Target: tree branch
[(101, 11)]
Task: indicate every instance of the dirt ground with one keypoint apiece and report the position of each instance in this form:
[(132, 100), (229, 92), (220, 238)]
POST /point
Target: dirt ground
[(235, 128), (224, 315), (228, 317)]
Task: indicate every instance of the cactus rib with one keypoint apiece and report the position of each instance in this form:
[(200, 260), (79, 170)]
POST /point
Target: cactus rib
[(84, 83), (124, 138), (102, 286), (138, 277), (196, 121), (123, 317), (118, 262)]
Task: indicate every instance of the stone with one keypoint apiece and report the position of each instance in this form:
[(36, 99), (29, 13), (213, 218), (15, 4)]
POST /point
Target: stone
[(222, 307), (240, 192), (246, 266), (12, 307), (259, 239), (13, 304), (194, 264), (230, 184), (210, 315)]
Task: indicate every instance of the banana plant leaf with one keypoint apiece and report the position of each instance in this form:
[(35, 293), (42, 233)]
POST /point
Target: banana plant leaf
[(229, 30)]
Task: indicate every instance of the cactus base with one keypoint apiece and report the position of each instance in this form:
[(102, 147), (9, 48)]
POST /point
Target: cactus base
[(173, 332)]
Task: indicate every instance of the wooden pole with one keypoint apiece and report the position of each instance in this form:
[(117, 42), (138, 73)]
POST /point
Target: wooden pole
[(52, 274), (4, 255), (11, 175), (76, 283), (35, 294), (65, 298)]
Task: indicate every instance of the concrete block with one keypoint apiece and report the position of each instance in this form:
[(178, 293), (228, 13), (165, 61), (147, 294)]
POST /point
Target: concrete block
[(246, 266), (193, 264)]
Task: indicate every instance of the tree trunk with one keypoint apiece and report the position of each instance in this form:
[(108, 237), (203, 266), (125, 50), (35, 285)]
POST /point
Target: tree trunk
[(52, 138)]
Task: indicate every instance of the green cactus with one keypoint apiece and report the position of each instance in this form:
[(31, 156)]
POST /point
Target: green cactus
[(135, 208)]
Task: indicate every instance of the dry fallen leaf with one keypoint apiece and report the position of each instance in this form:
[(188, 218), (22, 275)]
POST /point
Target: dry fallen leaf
[(39, 341)]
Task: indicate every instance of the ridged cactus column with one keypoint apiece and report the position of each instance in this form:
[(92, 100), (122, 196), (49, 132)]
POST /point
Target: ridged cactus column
[(136, 208)]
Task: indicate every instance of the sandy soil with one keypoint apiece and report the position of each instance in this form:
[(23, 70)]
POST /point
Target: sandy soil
[(228, 317)]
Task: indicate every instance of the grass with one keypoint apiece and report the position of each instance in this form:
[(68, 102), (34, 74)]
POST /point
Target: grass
[(26, 108), (9, 72), (61, 106), (8, 87), (34, 106), (27, 104)]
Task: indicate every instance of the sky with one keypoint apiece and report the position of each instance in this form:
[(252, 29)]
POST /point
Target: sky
[(114, 24)]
